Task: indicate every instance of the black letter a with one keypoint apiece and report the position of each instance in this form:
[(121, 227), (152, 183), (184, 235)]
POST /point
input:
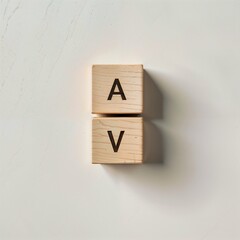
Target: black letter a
[(118, 84), (115, 147)]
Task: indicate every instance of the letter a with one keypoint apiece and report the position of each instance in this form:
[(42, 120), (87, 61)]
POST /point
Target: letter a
[(120, 92), (115, 146)]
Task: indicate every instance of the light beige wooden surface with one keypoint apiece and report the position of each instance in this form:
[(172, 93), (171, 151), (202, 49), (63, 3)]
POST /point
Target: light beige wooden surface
[(131, 148), (131, 80)]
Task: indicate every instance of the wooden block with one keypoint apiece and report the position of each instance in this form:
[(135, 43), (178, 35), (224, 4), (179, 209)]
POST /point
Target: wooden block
[(117, 140), (117, 89)]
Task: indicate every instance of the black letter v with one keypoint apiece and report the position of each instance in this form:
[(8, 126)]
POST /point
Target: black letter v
[(115, 146)]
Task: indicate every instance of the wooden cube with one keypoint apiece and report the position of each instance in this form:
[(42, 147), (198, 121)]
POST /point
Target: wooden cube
[(117, 140), (117, 89)]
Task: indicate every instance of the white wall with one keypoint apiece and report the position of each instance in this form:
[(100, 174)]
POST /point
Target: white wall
[(48, 188)]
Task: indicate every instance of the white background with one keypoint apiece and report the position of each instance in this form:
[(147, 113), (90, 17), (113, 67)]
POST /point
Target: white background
[(49, 189)]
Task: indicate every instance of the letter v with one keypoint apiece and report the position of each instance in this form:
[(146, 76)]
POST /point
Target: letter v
[(115, 146)]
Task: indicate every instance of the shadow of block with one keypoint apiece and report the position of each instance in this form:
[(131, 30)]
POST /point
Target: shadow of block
[(153, 144), (152, 99), (153, 110)]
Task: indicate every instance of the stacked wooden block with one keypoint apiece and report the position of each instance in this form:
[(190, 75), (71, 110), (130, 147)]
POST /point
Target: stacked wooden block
[(117, 90)]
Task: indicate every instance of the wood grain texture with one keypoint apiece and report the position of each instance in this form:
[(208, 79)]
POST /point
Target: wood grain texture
[(131, 79), (130, 150)]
